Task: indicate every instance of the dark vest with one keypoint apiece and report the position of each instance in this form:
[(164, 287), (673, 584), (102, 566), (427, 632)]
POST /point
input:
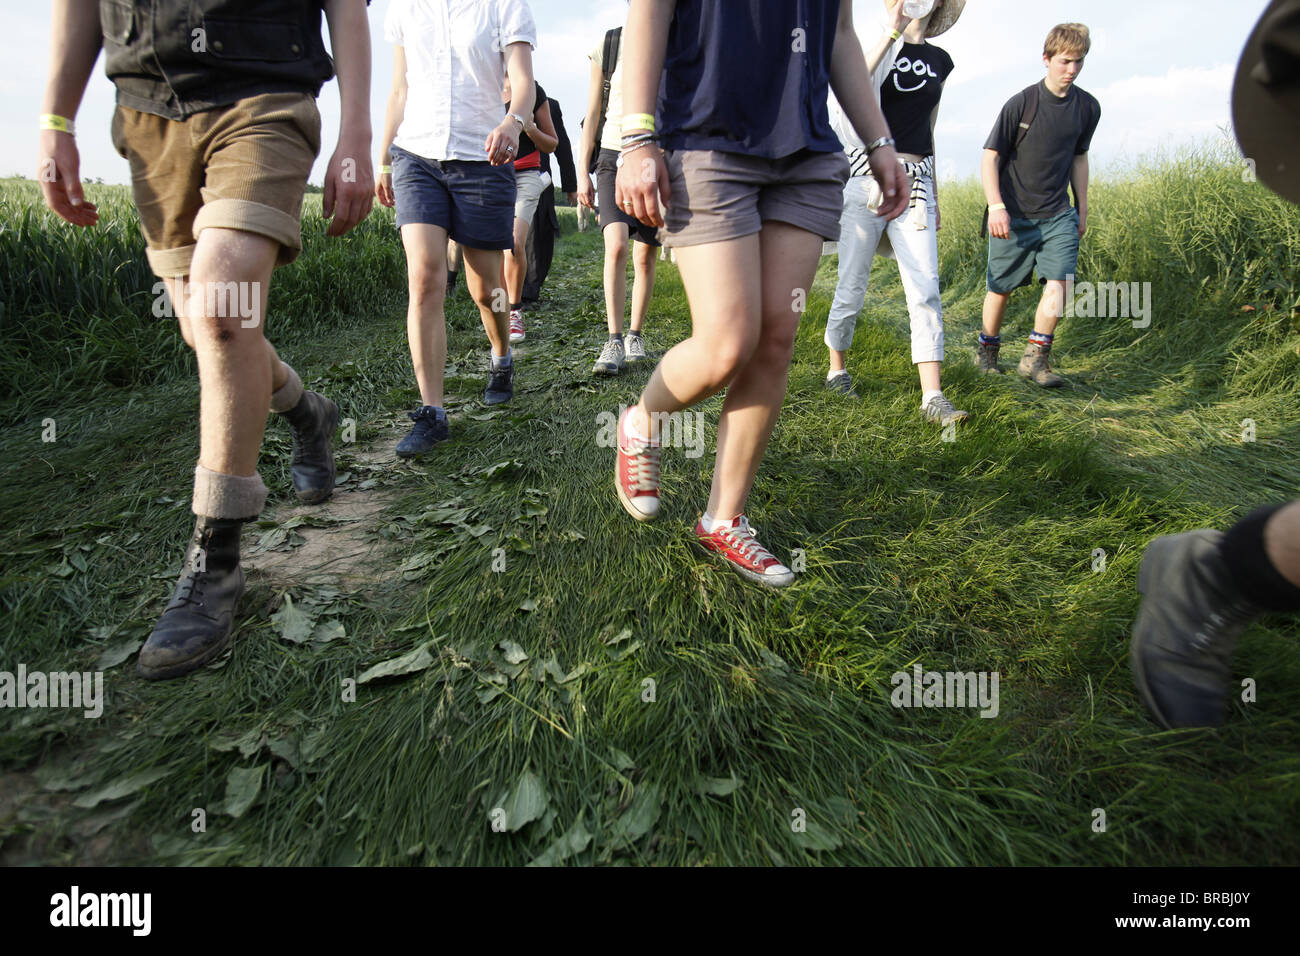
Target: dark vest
[(174, 58)]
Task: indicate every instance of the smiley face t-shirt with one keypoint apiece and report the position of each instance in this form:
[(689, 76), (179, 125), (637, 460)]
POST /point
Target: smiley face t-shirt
[(910, 94)]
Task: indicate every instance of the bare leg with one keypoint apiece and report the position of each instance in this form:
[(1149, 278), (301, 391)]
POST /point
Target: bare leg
[(426, 324), (516, 263), (995, 308), (616, 243), (643, 282), (1050, 307), (755, 395), (1282, 541), (726, 317), (929, 372), (482, 278), (837, 359), (236, 363)]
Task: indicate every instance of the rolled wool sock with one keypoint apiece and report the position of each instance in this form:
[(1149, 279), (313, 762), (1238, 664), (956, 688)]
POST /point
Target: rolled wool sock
[(926, 396), (287, 395), (227, 496), (503, 361)]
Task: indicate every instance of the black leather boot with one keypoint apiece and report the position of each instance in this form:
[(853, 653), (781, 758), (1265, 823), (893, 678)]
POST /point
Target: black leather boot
[(197, 623), (313, 421)]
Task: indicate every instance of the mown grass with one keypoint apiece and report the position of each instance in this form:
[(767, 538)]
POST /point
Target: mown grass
[(975, 554)]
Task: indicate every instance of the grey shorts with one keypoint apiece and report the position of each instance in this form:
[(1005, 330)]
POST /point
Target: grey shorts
[(719, 196)]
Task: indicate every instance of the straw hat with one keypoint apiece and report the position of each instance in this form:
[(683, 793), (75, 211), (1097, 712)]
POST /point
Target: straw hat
[(941, 20), (1266, 99)]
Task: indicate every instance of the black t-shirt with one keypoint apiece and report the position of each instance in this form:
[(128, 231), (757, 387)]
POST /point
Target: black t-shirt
[(526, 145), (1035, 179), (911, 93)]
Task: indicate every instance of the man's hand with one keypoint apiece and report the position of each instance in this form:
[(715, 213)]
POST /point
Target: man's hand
[(59, 173), (1000, 223), (1083, 221), (503, 142), (894, 186), (571, 198), (348, 197), (641, 189)]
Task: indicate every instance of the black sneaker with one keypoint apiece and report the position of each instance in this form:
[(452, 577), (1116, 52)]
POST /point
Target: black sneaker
[(842, 384), (501, 385), (430, 428), (1186, 629)]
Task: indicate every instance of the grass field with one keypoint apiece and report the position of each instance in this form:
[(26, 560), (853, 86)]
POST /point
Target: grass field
[(525, 690)]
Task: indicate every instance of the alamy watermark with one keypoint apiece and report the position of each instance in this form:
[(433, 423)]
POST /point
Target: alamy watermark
[(922, 688), (79, 690), (225, 300), (683, 430), (1109, 300)]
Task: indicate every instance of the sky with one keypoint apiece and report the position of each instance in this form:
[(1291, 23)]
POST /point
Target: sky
[(1162, 70)]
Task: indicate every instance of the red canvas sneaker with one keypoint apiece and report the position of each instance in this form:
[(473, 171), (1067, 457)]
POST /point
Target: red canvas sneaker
[(742, 551), (636, 474)]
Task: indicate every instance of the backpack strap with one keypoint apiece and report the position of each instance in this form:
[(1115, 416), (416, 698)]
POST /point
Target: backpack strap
[(1026, 120), (608, 64), (1030, 112)]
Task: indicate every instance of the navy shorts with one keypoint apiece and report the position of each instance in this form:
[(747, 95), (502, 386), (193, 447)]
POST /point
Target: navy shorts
[(473, 200), (1050, 246)]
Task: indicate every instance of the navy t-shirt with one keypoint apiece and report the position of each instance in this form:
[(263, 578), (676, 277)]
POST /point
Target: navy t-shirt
[(911, 93), (1035, 179), (748, 76)]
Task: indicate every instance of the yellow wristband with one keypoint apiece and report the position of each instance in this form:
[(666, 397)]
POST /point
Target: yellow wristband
[(998, 208), (385, 170), (59, 123), (895, 35), (639, 121)]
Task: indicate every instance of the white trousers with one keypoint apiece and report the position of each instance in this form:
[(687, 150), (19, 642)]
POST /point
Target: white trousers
[(917, 252)]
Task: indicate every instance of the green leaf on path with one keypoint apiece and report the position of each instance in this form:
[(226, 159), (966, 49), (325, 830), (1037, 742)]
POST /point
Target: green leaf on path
[(571, 843), (528, 604), (719, 786), (512, 652), (416, 660), (635, 822), (293, 623), (122, 787), (115, 654), (331, 630), (243, 784), (525, 802)]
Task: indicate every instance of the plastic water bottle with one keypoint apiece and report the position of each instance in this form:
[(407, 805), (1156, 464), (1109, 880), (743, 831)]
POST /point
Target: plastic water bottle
[(917, 9)]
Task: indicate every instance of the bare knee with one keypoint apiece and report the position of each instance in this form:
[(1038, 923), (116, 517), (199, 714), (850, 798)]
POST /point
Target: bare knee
[(427, 282), (727, 357)]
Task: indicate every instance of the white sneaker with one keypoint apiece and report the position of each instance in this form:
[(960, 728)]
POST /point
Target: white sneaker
[(633, 347)]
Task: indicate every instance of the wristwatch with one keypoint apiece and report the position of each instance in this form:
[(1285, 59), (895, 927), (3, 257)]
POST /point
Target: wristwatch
[(883, 141), (518, 119)]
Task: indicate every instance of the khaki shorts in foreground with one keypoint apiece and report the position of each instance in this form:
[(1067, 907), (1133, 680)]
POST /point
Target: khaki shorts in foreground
[(720, 196), (242, 166)]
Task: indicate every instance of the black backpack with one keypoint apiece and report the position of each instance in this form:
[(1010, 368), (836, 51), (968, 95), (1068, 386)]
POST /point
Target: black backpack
[(609, 63), (1026, 120)]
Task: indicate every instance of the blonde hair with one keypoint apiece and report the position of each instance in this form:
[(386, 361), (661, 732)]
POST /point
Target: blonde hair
[(1067, 38)]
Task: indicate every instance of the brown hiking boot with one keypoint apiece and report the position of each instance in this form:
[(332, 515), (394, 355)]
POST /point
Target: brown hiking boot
[(986, 359), (1034, 366)]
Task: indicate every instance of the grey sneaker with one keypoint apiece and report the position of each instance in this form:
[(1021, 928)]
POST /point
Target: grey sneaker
[(1034, 366), (943, 412), (1186, 629), (842, 384), (633, 347), (986, 359), (610, 361)]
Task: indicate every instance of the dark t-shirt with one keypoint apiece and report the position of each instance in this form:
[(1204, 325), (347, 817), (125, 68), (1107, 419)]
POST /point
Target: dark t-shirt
[(1035, 179), (526, 145), (911, 93), (748, 76)]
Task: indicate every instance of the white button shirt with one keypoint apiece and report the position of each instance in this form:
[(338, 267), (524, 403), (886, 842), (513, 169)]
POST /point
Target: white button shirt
[(455, 71)]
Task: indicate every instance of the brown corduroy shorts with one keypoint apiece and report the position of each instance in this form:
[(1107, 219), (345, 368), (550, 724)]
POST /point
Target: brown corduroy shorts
[(242, 166)]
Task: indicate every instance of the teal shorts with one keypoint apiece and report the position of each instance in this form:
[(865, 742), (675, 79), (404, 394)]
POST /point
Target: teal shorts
[(1049, 245)]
